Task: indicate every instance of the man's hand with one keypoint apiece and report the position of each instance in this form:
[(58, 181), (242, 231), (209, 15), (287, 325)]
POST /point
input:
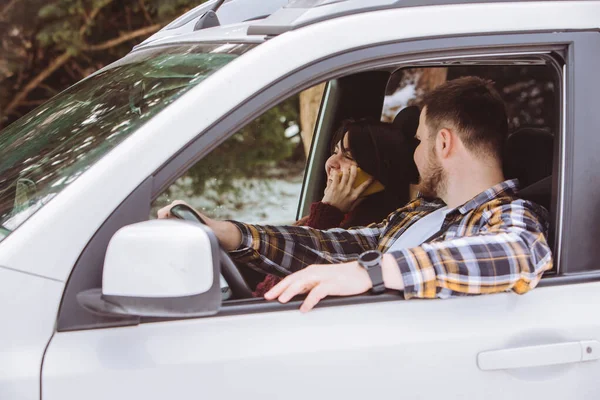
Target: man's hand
[(320, 281), (165, 212), (228, 234)]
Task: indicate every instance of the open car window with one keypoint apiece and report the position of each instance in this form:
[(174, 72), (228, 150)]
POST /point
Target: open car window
[(256, 175)]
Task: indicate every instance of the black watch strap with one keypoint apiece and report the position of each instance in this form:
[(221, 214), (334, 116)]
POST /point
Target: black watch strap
[(376, 276), (371, 261)]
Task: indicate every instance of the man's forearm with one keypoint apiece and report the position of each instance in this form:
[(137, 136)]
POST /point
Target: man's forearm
[(282, 250), (228, 234), (392, 278)]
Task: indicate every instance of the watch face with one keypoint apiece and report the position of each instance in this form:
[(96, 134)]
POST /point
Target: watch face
[(370, 256)]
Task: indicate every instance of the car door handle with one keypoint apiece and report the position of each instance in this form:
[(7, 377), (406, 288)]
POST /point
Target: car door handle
[(538, 356)]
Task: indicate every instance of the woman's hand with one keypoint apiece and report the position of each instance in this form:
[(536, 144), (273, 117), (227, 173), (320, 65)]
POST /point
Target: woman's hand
[(340, 192)]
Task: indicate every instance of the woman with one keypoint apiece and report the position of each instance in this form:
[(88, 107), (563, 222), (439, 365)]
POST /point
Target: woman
[(381, 150)]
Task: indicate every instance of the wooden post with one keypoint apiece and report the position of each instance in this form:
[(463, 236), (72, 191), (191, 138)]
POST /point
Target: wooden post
[(430, 79), (310, 101)]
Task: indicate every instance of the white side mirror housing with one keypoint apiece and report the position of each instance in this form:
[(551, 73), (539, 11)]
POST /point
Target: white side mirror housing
[(159, 268), (158, 259)]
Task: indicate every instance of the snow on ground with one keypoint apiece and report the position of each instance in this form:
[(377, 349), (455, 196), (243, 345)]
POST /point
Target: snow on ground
[(395, 102), (260, 201)]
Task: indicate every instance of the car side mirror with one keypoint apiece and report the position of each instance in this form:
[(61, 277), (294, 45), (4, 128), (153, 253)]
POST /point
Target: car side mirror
[(159, 268)]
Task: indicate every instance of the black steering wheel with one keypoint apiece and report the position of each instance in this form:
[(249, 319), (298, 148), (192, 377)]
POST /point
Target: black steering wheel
[(232, 275)]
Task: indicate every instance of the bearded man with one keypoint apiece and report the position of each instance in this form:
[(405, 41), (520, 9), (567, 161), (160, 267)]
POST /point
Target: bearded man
[(467, 233)]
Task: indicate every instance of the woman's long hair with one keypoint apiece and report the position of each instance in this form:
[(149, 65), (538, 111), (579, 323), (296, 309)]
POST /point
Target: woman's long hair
[(385, 153)]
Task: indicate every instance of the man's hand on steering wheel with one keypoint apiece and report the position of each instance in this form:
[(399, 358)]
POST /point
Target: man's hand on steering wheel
[(229, 270), (228, 234)]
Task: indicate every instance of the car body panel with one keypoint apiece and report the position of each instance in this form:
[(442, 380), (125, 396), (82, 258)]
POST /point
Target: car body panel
[(411, 349), (28, 306)]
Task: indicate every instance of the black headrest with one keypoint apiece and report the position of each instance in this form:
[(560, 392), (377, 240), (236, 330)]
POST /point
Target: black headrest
[(406, 123), (528, 156)]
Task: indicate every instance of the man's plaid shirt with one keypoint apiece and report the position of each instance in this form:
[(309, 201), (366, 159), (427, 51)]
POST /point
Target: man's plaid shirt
[(495, 242)]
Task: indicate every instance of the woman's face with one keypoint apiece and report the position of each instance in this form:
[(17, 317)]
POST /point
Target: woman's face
[(339, 160)]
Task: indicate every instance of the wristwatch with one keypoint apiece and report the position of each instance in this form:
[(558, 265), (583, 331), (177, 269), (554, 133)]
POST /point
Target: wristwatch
[(371, 261)]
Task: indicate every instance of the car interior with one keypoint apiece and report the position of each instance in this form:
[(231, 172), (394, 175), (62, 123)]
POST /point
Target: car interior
[(530, 149)]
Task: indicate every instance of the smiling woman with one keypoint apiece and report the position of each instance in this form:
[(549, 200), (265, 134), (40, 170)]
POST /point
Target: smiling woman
[(49, 148)]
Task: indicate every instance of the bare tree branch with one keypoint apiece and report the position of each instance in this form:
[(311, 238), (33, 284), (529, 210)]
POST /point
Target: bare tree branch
[(71, 73), (49, 89), (145, 11), (123, 38), (53, 66), (6, 9), (22, 94), (93, 15)]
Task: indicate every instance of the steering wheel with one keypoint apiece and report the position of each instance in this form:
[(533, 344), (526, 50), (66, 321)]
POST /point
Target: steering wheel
[(232, 275)]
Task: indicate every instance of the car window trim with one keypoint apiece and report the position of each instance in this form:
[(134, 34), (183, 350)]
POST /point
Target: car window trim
[(259, 305)]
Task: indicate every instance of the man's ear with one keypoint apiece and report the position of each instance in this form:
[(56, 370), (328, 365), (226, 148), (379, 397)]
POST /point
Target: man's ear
[(445, 142)]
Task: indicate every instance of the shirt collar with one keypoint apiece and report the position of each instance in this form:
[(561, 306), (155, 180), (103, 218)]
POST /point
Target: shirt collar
[(506, 188)]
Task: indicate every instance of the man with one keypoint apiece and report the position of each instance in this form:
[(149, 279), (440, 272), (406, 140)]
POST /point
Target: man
[(466, 234)]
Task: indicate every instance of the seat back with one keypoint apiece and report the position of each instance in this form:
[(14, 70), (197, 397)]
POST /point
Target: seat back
[(406, 123), (528, 156)]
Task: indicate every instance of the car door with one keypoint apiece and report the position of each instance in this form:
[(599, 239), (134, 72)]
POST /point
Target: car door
[(543, 344)]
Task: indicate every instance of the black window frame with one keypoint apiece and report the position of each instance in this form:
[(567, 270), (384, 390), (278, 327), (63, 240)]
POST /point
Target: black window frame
[(351, 61)]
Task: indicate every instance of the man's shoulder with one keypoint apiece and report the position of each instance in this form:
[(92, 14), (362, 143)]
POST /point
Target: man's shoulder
[(512, 206), (514, 201)]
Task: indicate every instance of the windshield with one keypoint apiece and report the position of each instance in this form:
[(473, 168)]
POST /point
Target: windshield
[(46, 150)]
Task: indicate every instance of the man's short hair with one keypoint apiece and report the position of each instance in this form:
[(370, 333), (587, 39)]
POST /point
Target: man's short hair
[(472, 106)]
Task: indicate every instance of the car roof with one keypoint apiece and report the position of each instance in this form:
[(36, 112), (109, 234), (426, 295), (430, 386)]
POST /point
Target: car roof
[(255, 20)]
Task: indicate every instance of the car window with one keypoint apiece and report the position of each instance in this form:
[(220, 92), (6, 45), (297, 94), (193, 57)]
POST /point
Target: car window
[(529, 91), (46, 150), (256, 175)]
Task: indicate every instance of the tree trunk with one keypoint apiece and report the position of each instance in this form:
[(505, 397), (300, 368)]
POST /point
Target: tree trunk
[(430, 79), (310, 101)]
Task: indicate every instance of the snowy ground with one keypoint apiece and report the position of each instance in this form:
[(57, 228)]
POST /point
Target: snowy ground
[(395, 102), (265, 201)]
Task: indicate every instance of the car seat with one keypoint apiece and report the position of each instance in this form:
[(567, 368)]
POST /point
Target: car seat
[(528, 156), (406, 123)]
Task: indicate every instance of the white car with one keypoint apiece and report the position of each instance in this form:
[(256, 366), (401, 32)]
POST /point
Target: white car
[(100, 301)]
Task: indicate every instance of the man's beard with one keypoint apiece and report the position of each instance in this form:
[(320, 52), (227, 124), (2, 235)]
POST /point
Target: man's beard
[(433, 183)]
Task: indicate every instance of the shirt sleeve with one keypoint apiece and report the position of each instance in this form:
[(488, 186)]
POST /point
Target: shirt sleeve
[(282, 250), (509, 253)]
